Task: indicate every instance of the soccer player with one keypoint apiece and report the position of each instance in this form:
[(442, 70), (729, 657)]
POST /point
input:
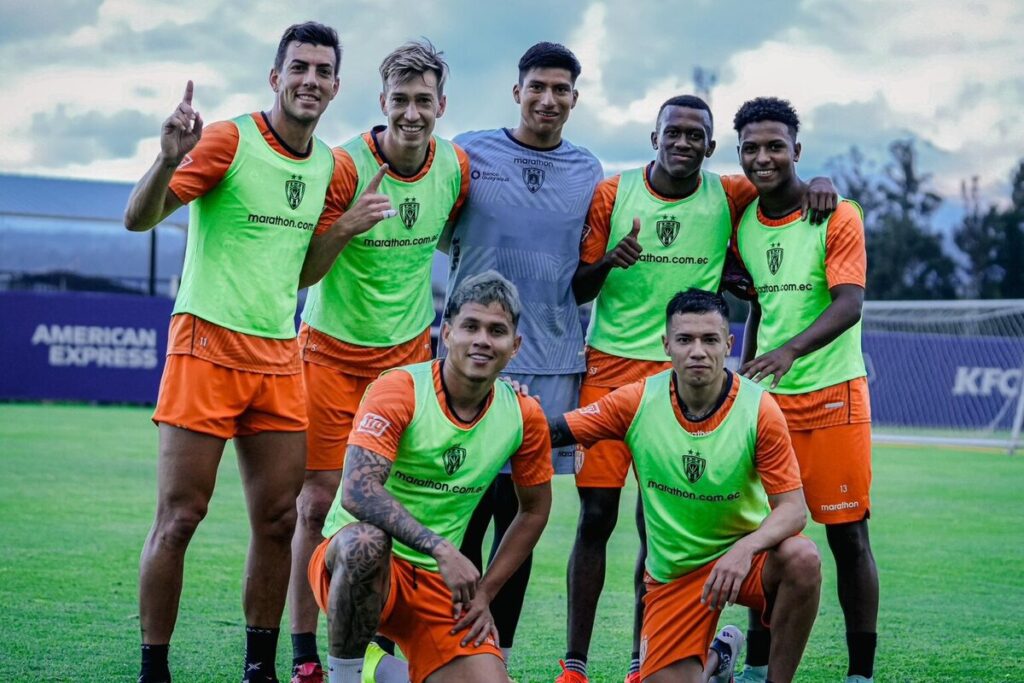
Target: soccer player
[(804, 334), (257, 188), (430, 439), (373, 309), (721, 496), (524, 217), (651, 230)]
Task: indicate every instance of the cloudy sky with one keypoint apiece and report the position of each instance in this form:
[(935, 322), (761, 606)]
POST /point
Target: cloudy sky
[(86, 83)]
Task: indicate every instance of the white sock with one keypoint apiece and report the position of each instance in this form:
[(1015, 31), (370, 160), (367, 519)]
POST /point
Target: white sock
[(506, 652), (391, 670), (344, 670)]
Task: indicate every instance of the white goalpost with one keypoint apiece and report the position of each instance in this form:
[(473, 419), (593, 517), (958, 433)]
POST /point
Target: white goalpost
[(946, 372)]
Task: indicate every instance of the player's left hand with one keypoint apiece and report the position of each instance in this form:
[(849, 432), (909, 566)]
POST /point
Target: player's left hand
[(478, 619), (777, 363), (723, 585), (820, 200)]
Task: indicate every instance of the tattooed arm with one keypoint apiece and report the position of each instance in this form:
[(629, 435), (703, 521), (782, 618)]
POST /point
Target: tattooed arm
[(364, 496)]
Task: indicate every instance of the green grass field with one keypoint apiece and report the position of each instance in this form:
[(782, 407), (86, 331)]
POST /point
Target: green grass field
[(77, 488)]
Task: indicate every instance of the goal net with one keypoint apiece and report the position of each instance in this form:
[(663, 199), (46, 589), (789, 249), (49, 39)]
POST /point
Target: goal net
[(946, 372)]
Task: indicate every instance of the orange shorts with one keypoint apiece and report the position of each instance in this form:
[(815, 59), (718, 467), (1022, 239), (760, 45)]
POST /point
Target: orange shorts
[(835, 465), (677, 626), (417, 615), (201, 396), (605, 464), (332, 397)]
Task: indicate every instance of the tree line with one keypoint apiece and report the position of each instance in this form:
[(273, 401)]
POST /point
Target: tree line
[(907, 257)]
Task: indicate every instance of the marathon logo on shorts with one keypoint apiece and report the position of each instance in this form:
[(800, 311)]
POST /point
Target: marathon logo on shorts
[(409, 211), (774, 255), (294, 190), (693, 465), (453, 459), (373, 424), (668, 229)]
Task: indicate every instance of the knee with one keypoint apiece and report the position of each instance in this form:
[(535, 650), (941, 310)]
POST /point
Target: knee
[(597, 520), (849, 542), (177, 522), (801, 563), (276, 522), (313, 505), (359, 551)]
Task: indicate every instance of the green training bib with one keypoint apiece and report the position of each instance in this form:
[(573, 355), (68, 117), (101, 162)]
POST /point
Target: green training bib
[(701, 492), (684, 244), (787, 265), (378, 291), (247, 238), (442, 469)]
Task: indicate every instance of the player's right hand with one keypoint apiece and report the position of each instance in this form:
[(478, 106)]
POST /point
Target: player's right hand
[(182, 129), (459, 575), (628, 250), (370, 209)]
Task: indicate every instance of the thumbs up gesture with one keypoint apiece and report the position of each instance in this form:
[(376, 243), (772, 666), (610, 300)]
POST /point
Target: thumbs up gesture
[(182, 129), (628, 250)]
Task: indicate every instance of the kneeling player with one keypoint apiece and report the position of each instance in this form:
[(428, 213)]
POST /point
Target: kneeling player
[(722, 498), (430, 438)]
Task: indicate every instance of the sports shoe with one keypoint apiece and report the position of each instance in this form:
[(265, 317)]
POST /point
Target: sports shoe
[(633, 677), (859, 679), (310, 672), (752, 674), (570, 676), (727, 644), (371, 658)]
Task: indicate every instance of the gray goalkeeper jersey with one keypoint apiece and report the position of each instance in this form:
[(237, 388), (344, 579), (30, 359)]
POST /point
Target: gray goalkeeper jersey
[(524, 218)]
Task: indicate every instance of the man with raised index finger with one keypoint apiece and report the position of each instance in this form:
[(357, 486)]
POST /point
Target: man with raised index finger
[(258, 190), (373, 309)]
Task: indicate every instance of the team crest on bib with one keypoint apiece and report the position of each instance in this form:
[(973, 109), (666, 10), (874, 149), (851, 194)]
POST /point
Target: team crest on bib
[(453, 459), (774, 254), (294, 191), (533, 177), (693, 465), (409, 211), (668, 230)]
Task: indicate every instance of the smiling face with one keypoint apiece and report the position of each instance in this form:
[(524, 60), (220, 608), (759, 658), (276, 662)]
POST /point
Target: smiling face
[(481, 340), (545, 97), (412, 108), (768, 154), (698, 344), (306, 83), (682, 140)]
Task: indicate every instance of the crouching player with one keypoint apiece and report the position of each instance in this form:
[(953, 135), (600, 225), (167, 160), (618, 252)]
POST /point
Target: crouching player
[(429, 440), (722, 497)]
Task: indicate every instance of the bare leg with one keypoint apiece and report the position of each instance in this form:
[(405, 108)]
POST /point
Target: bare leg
[(359, 559), (484, 667), (186, 475), (792, 584), (271, 465), (857, 578), (599, 511), (638, 575), (684, 671), (318, 491)]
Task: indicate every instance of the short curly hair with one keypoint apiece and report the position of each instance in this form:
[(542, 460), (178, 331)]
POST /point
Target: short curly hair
[(767, 109)]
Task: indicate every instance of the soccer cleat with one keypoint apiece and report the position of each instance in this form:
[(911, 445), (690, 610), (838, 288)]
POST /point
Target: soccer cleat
[(752, 674), (371, 658), (727, 644), (570, 676), (310, 672), (633, 677)]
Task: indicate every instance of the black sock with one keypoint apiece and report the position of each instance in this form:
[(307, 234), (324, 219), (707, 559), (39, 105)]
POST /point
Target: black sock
[(260, 655), (385, 644), (304, 648), (861, 645), (759, 645), (154, 664)]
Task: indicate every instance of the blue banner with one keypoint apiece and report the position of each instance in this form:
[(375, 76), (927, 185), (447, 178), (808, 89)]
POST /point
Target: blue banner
[(82, 346)]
